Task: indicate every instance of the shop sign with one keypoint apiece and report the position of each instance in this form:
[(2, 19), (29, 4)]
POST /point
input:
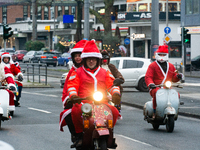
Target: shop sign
[(137, 36), (121, 16)]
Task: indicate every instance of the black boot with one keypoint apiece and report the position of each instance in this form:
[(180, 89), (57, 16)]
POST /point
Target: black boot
[(78, 142)]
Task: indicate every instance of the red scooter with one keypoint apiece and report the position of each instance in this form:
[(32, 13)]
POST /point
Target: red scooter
[(97, 124)]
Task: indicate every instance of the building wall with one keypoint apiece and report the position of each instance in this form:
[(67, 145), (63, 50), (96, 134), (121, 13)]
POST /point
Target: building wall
[(17, 10), (195, 45), (1, 15)]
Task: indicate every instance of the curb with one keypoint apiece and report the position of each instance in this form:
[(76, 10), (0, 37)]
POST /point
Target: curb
[(37, 86), (180, 113)]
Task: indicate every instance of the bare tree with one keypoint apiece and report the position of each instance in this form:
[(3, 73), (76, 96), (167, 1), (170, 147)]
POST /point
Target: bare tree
[(106, 19)]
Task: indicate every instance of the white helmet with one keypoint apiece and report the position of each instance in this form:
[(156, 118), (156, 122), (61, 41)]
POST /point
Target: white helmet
[(163, 49)]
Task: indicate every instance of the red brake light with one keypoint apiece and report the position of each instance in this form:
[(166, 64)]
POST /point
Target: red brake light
[(54, 56), (43, 56)]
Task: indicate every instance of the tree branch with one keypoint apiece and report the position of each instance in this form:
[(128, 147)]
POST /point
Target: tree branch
[(97, 15)]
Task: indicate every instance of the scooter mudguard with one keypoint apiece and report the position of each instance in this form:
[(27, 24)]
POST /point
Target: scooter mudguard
[(4, 102), (170, 111), (100, 132)]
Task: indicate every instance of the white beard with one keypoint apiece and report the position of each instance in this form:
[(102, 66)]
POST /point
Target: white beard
[(105, 67), (2, 72)]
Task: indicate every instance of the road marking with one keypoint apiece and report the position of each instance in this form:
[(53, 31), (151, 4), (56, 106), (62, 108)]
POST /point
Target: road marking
[(134, 140), (192, 95), (44, 111), (191, 84), (39, 94)]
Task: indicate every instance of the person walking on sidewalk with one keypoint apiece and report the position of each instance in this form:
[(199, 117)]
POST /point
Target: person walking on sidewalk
[(159, 72)]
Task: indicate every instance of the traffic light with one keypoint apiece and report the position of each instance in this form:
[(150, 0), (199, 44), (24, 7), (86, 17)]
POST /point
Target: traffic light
[(6, 32), (186, 36)]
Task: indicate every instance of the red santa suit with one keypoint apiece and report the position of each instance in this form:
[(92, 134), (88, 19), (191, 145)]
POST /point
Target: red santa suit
[(6, 74), (78, 48), (84, 82), (156, 75)]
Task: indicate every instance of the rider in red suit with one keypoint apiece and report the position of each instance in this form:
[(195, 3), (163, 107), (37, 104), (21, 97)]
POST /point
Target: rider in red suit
[(7, 61), (159, 72), (65, 115), (85, 81), (6, 75)]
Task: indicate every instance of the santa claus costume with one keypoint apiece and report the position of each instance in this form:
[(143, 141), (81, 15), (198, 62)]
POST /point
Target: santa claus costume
[(159, 72), (6, 75), (65, 116), (15, 70), (85, 81)]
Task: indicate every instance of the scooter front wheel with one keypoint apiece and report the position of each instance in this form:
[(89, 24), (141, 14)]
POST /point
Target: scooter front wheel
[(103, 144), (170, 124)]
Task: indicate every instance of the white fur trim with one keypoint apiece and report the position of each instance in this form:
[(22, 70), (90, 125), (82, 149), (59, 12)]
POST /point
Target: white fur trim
[(85, 55), (63, 117), (9, 75), (65, 101), (11, 108), (7, 55), (10, 84), (76, 50), (2, 72), (19, 74)]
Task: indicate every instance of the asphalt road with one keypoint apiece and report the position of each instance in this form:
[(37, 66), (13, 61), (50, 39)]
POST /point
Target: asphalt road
[(35, 125)]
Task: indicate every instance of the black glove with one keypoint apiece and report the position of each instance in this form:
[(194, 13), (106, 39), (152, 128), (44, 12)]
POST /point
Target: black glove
[(20, 78), (179, 76), (152, 86), (117, 82), (74, 98), (116, 98), (68, 104), (12, 88)]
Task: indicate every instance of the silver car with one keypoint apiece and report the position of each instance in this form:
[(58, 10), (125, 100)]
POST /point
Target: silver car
[(133, 70)]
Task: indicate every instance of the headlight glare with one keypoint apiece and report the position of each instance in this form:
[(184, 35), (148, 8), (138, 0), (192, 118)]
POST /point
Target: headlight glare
[(98, 96), (168, 84)]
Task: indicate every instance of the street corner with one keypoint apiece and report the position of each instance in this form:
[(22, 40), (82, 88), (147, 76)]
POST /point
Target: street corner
[(36, 85)]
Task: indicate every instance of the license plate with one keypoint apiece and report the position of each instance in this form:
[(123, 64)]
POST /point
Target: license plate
[(49, 58)]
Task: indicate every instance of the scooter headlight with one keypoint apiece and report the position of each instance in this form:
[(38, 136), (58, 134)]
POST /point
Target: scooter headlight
[(168, 84), (86, 108), (98, 96)]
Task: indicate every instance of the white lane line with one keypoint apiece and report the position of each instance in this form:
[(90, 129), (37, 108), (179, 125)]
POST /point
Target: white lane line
[(134, 140), (191, 84), (44, 111), (39, 94)]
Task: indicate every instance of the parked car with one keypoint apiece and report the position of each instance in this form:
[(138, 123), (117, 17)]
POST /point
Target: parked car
[(62, 80), (195, 64), (56, 53), (18, 55), (63, 59), (11, 51), (48, 58), (28, 57), (133, 70)]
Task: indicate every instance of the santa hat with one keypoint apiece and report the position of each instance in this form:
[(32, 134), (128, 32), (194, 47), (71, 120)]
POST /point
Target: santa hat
[(79, 46), (6, 54), (91, 50), (163, 49)]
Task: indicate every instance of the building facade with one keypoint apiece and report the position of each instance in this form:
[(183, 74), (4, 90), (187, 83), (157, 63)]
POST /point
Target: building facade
[(135, 16), (190, 19)]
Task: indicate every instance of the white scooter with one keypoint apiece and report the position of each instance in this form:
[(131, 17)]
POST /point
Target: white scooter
[(4, 105), (167, 108)]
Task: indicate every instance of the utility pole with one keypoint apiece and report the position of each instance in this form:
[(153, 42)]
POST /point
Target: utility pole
[(86, 18), (54, 9), (154, 27), (34, 18)]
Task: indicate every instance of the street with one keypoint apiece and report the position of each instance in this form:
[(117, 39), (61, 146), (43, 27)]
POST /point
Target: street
[(35, 124)]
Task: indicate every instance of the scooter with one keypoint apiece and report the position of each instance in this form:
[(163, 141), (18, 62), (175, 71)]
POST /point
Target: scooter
[(167, 100), (4, 104)]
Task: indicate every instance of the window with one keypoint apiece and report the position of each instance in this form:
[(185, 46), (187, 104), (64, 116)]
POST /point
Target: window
[(132, 64), (192, 7), (73, 11), (172, 7), (142, 7), (115, 63), (46, 13), (131, 7), (66, 10), (39, 13), (4, 14), (160, 7), (25, 12), (59, 10), (175, 49), (31, 12)]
